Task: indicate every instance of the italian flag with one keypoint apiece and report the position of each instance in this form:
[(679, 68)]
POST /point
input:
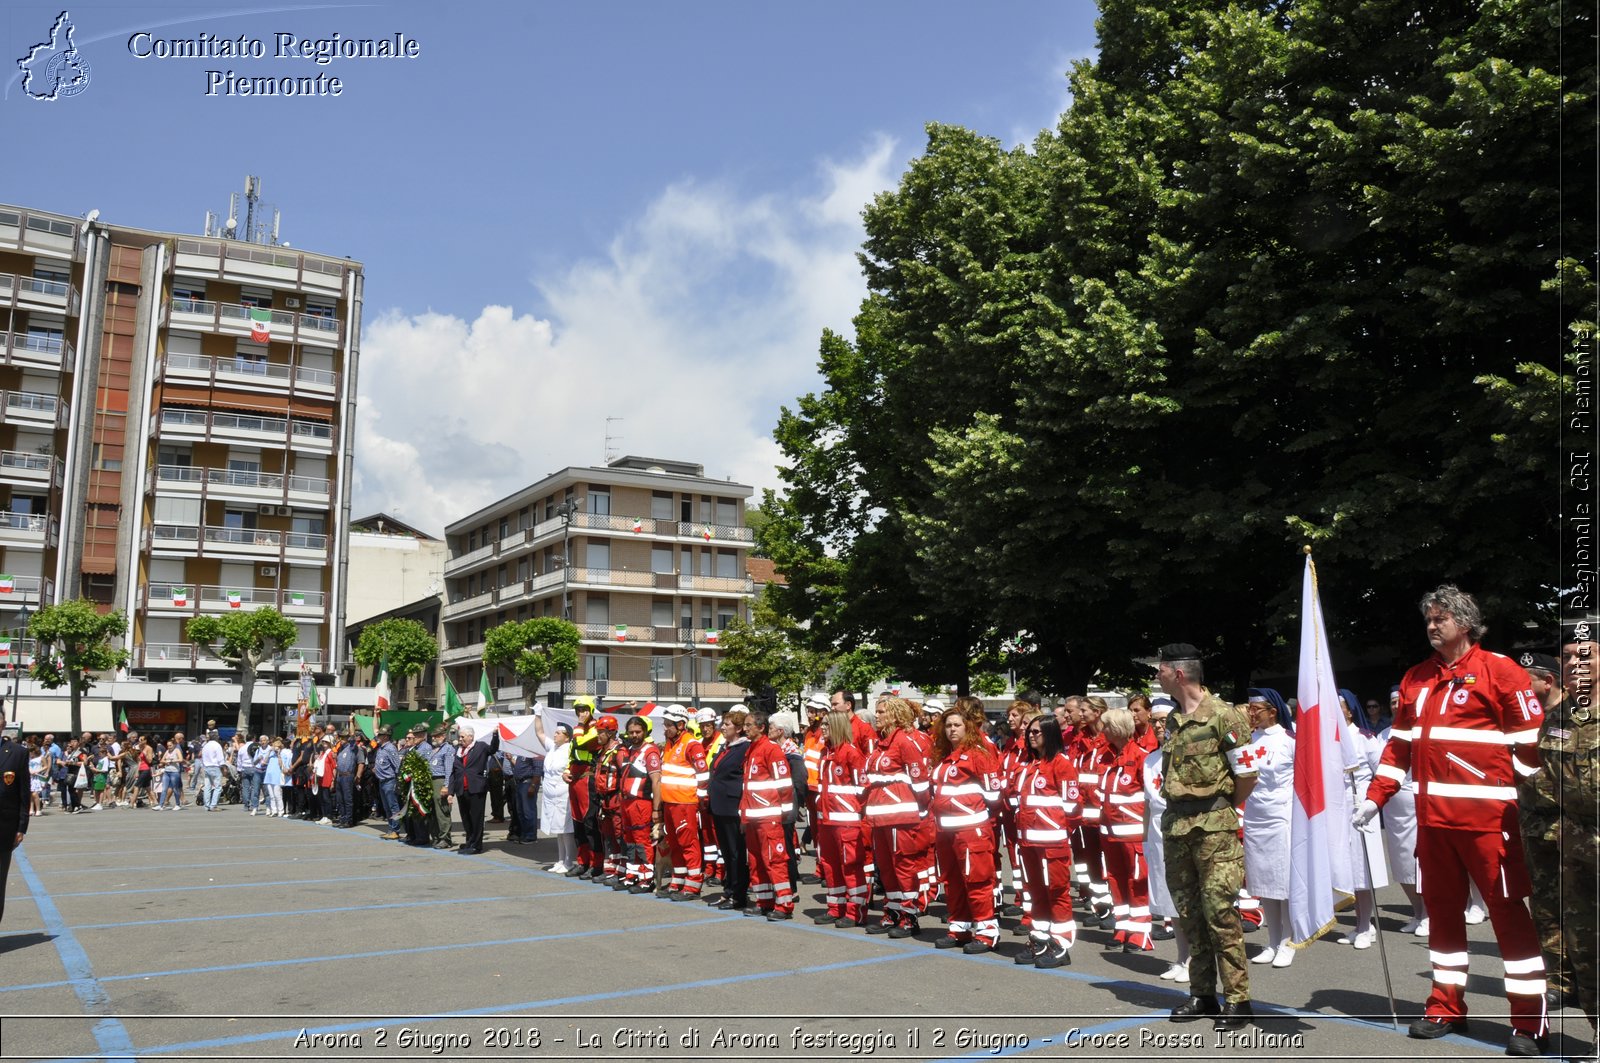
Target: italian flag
[(260, 324), (711, 637), (453, 706), (7, 583), (297, 598), (485, 694), (5, 648), (706, 531), (622, 632), (235, 599), (122, 721), (638, 525), (313, 703), (380, 693), (180, 596)]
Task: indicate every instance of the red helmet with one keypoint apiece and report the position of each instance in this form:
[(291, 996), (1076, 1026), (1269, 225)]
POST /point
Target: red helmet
[(606, 723)]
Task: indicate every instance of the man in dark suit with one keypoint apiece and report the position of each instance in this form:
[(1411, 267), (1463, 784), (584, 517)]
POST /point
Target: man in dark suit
[(471, 784), (13, 804)]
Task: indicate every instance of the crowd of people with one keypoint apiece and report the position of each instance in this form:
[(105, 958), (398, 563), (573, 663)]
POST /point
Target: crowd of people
[(1167, 819)]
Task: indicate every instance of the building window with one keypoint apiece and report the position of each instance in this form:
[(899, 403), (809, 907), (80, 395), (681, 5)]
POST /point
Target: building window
[(661, 613), (597, 610), (728, 563), (505, 527), (661, 505), (686, 509), (728, 512), (600, 501), (596, 666), (599, 556), (661, 559)]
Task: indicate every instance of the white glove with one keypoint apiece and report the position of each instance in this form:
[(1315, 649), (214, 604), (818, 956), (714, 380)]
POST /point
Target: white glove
[(1364, 814)]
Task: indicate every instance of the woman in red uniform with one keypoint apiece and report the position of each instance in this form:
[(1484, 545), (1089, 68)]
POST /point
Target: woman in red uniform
[(1013, 753), (1122, 831), (641, 808), (965, 792), (1047, 806), (896, 804), (840, 845)]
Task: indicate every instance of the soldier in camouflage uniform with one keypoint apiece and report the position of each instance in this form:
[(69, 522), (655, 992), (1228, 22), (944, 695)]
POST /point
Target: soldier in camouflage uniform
[(1203, 781), (1570, 748), (1539, 815)]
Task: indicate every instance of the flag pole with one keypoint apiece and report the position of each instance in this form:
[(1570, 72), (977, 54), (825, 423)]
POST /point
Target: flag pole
[(1377, 923)]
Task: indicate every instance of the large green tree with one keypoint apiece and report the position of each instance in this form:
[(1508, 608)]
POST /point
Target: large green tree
[(763, 652), (404, 646), (532, 650), (72, 643), (244, 640)]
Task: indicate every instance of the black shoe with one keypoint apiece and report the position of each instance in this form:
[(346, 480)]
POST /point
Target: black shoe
[(907, 929), (1234, 1016), (756, 912), (977, 947), (1521, 1044), (607, 880), (778, 915), (1426, 1029), (622, 885), (1195, 1008), (948, 942), (1019, 931), (1108, 921), (680, 897), (443, 845), (882, 928), (824, 919), (640, 887), (1056, 956), (1162, 932), (1011, 909), (1026, 958), (577, 871), (810, 880), (844, 922)]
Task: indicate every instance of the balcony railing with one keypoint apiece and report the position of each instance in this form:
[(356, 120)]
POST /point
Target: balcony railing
[(717, 584), (33, 405), (247, 424), (20, 463), (50, 290), (24, 522), (20, 588), (237, 313), (611, 577), (242, 536), (256, 369), (37, 349), (305, 541), (712, 532), (629, 632), (241, 478), (188, 655)]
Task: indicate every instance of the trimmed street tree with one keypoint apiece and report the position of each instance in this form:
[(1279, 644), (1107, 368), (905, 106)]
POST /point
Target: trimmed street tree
[(72, 640), (532, 649), (244, 640), (760, 652), (403, 646)]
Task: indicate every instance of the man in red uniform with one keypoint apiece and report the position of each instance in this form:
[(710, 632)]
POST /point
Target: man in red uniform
[(765, 807), (683, 791), (641, 805), (605, 800), (1467, 728)]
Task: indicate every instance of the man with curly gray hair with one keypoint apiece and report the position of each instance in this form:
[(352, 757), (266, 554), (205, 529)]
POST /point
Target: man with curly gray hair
[(1467, 728)]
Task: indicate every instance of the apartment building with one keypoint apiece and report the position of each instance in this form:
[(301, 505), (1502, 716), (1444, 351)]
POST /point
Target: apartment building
[(646, 556), (177, 434)]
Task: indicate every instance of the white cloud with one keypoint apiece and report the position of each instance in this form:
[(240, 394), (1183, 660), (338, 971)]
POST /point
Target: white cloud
[(700, 321)]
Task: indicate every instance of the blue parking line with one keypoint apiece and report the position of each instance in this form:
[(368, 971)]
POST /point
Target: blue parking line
[(299, 961), (109, 1033), (279, 882), (296, 913), (530, 1005)]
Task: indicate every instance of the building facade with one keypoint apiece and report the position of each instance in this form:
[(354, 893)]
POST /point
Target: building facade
[(177, 432), (646, 557)]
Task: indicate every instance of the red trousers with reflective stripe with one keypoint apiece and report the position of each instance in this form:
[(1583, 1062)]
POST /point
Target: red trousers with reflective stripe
[(768, 856), (1047, 877), (900, 852), (839, 860), (1129, 880), (681, 826), (1446, 859), (578, 802), (636, 815), (966, 860)]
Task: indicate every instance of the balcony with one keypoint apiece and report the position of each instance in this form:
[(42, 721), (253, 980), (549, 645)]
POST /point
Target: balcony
[(255, 374), (464, 606), (17, 591), (628, 633), (716, 584), (36, 409), (187, 655), (601, 578), (240, 485), (35, 470), (461, 654), (717, 533), (284, 326), (226, 427), (27, 530), (305, 546), (183, 599), (33, 293), (38, 351)]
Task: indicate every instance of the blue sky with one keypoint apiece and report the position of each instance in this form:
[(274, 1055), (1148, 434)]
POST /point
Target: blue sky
[(567, 212)]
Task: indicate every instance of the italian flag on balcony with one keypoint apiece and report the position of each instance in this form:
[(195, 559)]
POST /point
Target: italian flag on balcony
[(706, 531), (260, 324), (180, 596), (711, 637), (5, 649), (297, 598), (638, 525), (7, 583), (235, 599), (622, 632), (122, 721)]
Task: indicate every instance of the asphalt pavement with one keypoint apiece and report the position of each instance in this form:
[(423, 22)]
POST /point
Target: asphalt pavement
[(136, 934)]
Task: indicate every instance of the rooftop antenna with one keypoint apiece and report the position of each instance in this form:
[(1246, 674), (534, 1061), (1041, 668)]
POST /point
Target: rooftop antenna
[(211, 224), (612, 454), (252, 195)]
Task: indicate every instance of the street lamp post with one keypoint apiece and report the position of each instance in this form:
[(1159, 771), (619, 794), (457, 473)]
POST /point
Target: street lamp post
[(566, 510), (16, 672), (694, 665)]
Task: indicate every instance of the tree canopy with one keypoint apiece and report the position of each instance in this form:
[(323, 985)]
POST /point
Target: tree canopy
[(72, 642), (1282, 274), (532, 650), (405, 646), (244, 639)]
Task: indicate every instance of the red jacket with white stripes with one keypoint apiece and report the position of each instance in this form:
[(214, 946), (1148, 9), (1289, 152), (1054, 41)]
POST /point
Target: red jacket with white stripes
[(841, 786), (1047, 802), (1466, 732), (897, 782), (1122, 795), (966, 789), (768, 786), (1092, 754)]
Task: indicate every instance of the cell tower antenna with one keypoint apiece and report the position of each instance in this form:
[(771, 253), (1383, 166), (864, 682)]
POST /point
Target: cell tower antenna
[(612, 454), (252, 195), (211, 223)]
